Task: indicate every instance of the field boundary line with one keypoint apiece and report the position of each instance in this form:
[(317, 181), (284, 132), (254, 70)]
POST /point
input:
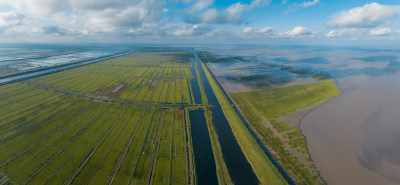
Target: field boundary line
[(154, 162), (108, 99), (26, 92), (32, 125), (171, 155), (5, 124), (70, 156), (141, 80), (112, 145), (141, 89), (155, 88), (190, 92), (54, 155), (15, 170), (167, 94), (126, 148), (23, 99), (44, 137), (93, 150), (31, 103), (141, 150), (13, 90)]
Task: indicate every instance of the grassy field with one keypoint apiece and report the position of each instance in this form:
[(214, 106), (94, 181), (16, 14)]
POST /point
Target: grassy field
[(222, 170), (140, 77), (275, 114), (120, 121), (266, 172)]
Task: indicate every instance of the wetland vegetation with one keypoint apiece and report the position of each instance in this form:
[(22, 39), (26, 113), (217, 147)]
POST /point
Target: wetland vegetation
[(275, 113), (266, 172)]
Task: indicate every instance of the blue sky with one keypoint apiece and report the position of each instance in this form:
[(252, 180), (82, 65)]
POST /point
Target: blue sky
[(201, 21)]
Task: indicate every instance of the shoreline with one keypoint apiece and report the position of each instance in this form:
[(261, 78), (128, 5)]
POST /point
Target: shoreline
[(270, 156)]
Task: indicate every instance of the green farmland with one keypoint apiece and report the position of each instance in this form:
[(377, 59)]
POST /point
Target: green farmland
[(126, 120), (120, 121)]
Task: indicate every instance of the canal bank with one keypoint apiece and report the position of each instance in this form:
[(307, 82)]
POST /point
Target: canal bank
[(6, 79), (239, 168), (203, 153), (258, 155)]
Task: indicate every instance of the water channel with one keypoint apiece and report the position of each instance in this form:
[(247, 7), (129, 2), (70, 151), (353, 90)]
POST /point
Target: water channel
[(203, 154), (239, 168)]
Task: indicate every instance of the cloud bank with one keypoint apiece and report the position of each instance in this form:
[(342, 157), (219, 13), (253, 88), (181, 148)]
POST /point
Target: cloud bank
[(369, 15), (95, 20)]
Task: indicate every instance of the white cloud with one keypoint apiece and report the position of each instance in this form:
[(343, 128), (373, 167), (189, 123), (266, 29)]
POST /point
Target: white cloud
[(37, 7), (359, 32), (369, 15), (210, 15), (200, 5), (248, 30), (173, 30), (152, 29), (331, 33), (232, 14), (270, 32), (346, 32), (298, 31), (293, 7), (183, 1), (266, 30), (192, 31), (380, 31), (58, 31), (109, 14), (12, 18), (309, 3), (258, 3), (100, 5), (96, 15), (251, 32)]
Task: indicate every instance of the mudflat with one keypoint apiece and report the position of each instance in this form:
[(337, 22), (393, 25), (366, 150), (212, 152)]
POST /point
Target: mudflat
[(355, 138)]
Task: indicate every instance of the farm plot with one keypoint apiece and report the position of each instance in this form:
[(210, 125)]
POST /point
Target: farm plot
[(141, 77), (55, 129)]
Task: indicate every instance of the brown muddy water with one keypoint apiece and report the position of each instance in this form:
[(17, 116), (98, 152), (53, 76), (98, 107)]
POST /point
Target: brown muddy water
[(354, 138)]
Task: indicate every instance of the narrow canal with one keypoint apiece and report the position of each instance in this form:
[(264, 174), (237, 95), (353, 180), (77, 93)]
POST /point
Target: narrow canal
[(195, 85), (203, 153), (238, 166)]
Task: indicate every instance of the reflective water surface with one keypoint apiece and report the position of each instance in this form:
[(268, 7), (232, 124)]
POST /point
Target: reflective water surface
[(355, 137)]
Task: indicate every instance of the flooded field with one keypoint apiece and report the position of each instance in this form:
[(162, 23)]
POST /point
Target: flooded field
[(22, 59), (353, 138)]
